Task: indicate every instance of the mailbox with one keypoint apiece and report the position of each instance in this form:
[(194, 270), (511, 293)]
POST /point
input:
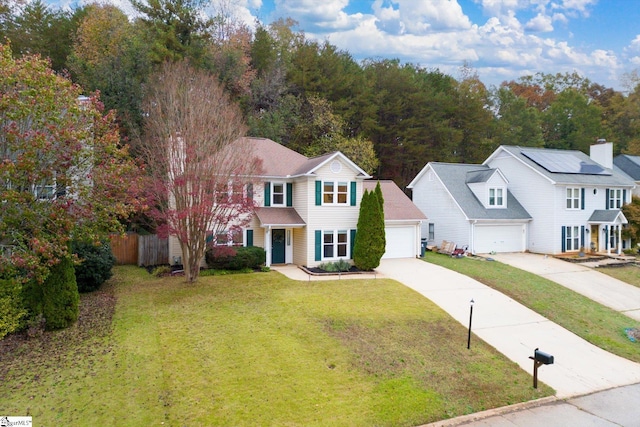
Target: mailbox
[(543, 358)]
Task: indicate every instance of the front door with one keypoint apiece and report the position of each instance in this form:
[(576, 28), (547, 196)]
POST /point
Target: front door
[(277, 246), (595, 229)]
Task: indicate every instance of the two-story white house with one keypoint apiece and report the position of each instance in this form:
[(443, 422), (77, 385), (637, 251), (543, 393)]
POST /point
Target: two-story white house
[(307, 209), (570, 201)]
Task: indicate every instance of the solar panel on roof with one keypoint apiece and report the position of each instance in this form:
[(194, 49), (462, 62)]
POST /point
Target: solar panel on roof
[(559, 162)]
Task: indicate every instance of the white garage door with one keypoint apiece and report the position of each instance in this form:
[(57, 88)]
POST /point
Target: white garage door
[(498, 238), (401, 242)]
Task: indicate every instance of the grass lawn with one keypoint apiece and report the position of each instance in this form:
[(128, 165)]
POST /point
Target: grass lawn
[(629, 274), (584, 317), (255, 349)]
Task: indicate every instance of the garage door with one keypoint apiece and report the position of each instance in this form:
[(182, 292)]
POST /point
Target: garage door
[(498, 238), (401, 242)]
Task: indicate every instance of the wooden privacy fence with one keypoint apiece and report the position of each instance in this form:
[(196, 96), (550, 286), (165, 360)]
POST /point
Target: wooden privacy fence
[(133, 249)]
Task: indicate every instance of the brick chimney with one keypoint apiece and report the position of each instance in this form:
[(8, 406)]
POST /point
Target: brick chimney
[(602, 153)]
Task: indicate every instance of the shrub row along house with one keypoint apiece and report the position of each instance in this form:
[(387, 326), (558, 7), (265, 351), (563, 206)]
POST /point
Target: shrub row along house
[(528, 199), (307, 209)]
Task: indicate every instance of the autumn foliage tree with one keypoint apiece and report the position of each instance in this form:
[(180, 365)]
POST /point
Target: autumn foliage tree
[(202, 171)]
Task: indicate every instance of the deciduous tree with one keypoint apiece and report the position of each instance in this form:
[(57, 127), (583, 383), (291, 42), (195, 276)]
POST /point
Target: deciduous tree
[(63, 173), (202, 172)]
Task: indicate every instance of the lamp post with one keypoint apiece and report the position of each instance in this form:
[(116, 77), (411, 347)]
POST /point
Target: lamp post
[(470, 318)]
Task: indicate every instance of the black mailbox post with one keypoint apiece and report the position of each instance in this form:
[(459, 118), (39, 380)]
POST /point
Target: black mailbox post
[(539, 358)]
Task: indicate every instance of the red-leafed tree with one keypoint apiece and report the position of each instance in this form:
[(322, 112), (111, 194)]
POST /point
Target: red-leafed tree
[(63, 173), (202, 171)]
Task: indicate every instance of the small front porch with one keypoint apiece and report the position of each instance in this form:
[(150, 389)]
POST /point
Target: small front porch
[(278, 225), (605, 231)]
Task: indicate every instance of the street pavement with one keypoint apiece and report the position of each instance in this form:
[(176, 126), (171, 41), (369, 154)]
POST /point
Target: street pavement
[(606, 290)]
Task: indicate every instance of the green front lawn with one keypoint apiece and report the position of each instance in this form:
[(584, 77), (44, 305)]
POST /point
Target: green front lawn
[(584, 317), (256, 349), (629, 274)]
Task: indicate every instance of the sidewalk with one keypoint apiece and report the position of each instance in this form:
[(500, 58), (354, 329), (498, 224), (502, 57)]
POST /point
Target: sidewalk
[(587, 281)]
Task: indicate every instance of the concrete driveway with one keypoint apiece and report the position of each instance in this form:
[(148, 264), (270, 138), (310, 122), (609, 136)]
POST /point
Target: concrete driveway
[(597, 286), (514, 330)]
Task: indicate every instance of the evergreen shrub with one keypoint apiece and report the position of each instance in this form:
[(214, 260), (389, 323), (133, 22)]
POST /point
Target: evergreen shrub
[(60, 302), (95, 266), (12, 310)]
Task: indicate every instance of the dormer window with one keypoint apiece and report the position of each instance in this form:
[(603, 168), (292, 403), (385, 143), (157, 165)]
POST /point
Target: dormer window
[(496, 197)]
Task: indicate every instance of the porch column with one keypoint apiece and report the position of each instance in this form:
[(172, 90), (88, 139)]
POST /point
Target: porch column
[(267, 246), (619, 239), (607, 241)]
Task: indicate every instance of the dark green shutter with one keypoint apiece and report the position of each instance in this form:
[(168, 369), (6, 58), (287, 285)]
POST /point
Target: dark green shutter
[(606, 199), (353, 241), (582, 236), (353, 193), (606, 237), (289, 194), (267, 193), (564, 236), (624, 197), (582, 198), (318, 193), (318, 245), (249, 238)]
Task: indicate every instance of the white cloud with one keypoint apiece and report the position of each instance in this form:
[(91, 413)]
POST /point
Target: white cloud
[(540, 24), (634, 46)]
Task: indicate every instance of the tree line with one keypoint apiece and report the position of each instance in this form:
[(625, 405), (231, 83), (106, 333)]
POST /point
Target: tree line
[(389, 117)]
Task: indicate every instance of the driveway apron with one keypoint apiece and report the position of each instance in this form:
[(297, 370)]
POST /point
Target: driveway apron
[(516, 331), (606, 290)]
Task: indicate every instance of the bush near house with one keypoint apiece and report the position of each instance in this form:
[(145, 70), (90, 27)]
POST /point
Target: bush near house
[(12, 311), (239, 258), (96, 262), (60, 296)]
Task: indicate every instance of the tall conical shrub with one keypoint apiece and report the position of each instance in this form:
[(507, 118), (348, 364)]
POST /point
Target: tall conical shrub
[(369, 244), (60, 305)]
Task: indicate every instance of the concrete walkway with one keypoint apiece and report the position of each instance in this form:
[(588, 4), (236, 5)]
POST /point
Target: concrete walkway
[(597, 286)]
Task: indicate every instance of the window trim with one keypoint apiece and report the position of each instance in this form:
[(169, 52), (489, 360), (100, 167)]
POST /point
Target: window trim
[(570, 238), (431, 230), (499, 200), (615, 201), (573, 201), (335, 195), (283, 194), (335, 244)]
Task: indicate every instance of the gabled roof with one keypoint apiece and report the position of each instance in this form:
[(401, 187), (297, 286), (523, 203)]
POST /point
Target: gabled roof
[(630, 165), (608, 216), (483, 175), (397, 205), (611, 178), (280, 161), (454, 178)]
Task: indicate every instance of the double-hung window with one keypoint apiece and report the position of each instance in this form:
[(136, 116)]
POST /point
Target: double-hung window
[(573, 198), (496, 198), (335, 244), (572, 238), (335, 193), (277, 194), (615, 198)]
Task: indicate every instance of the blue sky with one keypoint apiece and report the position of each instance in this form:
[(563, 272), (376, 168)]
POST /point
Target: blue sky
[(501, 39)]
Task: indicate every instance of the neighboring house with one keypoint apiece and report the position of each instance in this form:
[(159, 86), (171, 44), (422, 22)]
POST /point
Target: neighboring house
[(470, 205), (307, 208), (572, 201), (629, 165), (402, 221)]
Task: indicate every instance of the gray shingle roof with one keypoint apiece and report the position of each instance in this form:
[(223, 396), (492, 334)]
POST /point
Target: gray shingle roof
[(630, 165), (615, 179), (454, 177), (604, 215), (397, 205)]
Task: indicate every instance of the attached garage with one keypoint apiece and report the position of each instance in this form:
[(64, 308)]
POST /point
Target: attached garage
[(401, 241), (499, 238)]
